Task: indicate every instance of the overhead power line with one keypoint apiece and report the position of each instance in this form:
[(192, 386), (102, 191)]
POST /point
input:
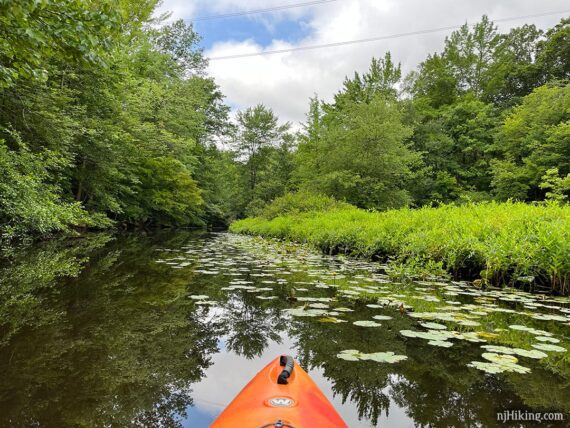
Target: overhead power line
[(374, 39), (266, 10)]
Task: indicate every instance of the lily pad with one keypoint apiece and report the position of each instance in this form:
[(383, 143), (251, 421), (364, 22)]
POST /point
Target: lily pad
[(530, 330), (498, 367), (440, 343), (350, 293), (500, 349), (384, 357), (433, 326), (382, 317), (546, 317), (300, 312), (367, 323), (349, 355), (431, 335), (471, 336), (486, 367), (500, 358), (319, 305), (332, 320), (513, 367), (533, 353), (547, 339), (469, 323), (486, 334), (314, 299), (548, 347), (441, 316), (381, 357)]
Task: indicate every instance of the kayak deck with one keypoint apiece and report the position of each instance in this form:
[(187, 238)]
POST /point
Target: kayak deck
[(295, 402)]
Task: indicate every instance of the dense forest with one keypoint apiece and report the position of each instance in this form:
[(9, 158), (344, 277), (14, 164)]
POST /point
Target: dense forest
[(108, 118)]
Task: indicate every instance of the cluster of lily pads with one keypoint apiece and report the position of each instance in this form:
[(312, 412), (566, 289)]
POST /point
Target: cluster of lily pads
[(330, 288), (499, 363)]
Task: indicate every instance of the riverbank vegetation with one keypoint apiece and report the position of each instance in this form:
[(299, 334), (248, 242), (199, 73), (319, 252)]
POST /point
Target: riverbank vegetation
[(108, 118), (496, 243)]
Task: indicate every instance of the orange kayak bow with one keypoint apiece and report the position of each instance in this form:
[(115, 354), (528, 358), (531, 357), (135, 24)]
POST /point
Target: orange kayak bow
[(280, 395)]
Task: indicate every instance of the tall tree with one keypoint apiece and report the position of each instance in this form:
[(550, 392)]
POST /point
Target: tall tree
[(470, 54), (361, 155), (307, 156), (514, 72), (382, 77), (434, 83), (534, 138), (258, 130), (553, 57), (112, 117)]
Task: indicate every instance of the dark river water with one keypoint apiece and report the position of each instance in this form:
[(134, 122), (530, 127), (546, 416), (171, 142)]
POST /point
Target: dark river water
[(164, 329)]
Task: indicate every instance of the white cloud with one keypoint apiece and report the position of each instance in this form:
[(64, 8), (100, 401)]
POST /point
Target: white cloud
[(285, 82)]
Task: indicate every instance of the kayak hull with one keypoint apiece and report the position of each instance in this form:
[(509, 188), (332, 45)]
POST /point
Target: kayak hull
[(262, 402)]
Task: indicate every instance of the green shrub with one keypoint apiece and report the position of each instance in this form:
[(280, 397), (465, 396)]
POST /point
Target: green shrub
[(500, 242), (300, 202), (30, 204)]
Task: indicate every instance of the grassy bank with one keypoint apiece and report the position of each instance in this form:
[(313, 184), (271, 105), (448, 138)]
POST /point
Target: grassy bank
[(500, 243)]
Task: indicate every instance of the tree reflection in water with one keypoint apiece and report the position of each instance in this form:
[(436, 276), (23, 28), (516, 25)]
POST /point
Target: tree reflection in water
[(250, 326), (96, 332), (98, 335)]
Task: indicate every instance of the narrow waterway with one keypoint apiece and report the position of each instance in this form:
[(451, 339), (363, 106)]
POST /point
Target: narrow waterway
[(164, 329)]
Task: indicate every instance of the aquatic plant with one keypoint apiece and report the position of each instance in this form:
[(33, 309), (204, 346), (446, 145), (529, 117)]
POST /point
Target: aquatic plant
[(517, 244), (380, 357), (367, 323)]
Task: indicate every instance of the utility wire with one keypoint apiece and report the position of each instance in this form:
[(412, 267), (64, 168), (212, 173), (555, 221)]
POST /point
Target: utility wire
[(256, 11), (374, 39)]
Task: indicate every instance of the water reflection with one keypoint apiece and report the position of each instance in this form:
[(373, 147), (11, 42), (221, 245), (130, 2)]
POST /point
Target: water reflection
[(250, 327), (99, 338), (101, 331)]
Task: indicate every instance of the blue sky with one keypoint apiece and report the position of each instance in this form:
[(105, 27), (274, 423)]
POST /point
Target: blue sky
[(289, 25), (285, 82), (243, 28)]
